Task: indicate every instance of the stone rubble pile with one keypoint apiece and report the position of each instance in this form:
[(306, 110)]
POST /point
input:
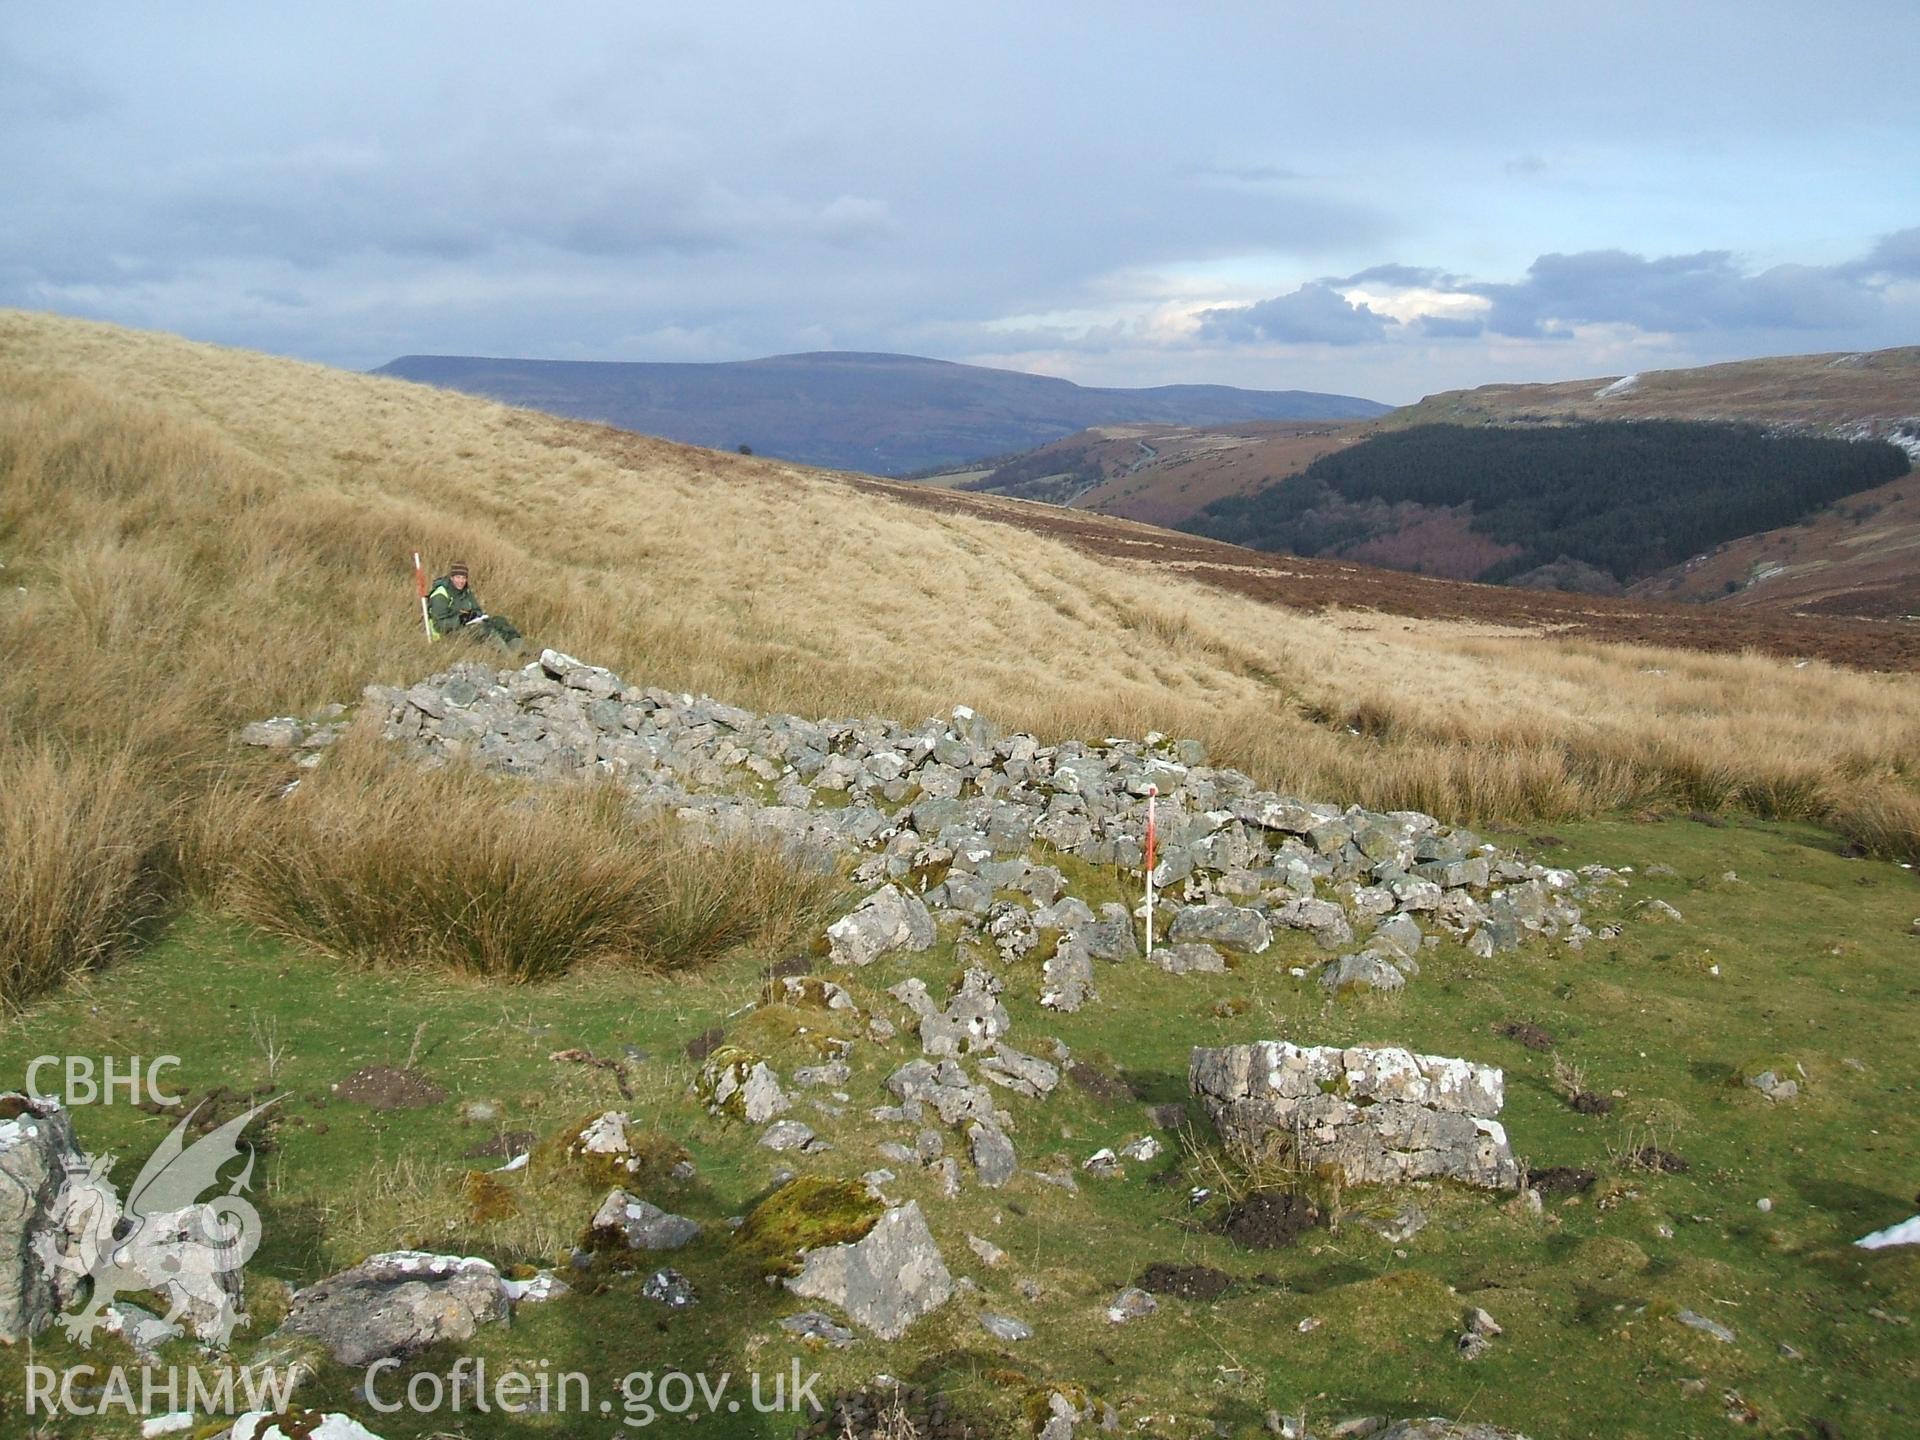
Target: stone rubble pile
[(954, 829), (1378, 1114), (963, 830), (953, 821)]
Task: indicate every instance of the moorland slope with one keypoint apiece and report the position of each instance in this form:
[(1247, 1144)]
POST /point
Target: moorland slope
[(436, 969)]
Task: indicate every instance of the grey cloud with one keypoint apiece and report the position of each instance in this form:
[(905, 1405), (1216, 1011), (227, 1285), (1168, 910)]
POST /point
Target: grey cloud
[(345, 183), (1447, 327), (1896, 256), (1670, 294), (1675, 294), (35, 94), (1409, 276), (1315, 313)]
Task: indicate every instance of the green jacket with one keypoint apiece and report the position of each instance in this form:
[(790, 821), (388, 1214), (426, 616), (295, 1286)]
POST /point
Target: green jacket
[(448, 608)]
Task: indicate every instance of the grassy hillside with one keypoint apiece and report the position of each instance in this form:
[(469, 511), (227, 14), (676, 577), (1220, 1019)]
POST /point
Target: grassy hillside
[(1858, 556), (1874, 392), (195, 537), (1159, 474)]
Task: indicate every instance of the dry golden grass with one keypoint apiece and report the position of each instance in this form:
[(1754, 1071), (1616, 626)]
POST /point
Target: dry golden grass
[(380, 862), (206, 536), (83, 863)]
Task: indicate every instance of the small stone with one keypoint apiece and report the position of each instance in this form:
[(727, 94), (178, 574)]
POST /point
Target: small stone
[(992, 1152), (1131, 1303), (1005, 1327), (787, 1135), (1695, 1321), (639, 1225), (813, 1325), (1479, 1322), (670, 1288), (990, 1254)]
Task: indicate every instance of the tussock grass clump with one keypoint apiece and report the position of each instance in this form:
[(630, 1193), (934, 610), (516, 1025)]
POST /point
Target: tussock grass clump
[(380, 862), (1881, 820), (83, 864)]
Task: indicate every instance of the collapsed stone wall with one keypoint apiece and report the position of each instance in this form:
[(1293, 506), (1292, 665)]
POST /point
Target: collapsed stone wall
[(968, 817)]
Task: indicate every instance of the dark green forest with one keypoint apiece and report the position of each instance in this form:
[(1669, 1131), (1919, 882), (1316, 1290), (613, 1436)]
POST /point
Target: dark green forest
[(1627, 496)]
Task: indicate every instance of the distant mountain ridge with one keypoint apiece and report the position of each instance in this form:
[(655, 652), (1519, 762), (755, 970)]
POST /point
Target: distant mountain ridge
[(854, 410)]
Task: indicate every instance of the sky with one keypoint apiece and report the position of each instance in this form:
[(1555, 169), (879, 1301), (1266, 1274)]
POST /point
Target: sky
[(1363, 196)]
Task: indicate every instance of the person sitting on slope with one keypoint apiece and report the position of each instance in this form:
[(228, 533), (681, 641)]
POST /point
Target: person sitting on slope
[(452, 605)]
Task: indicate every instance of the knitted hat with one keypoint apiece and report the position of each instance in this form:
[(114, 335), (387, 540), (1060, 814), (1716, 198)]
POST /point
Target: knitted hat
[(456, 569)]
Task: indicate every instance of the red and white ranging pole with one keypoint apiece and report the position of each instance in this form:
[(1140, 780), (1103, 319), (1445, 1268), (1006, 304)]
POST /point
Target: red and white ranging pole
[(1152, 792)]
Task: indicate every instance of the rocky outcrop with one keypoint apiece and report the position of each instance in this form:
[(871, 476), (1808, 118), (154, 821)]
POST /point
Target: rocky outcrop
[(883, 1282), (1378, 1114), (397, 1304), (735, 1084), (41, 1228), (626, 1221)]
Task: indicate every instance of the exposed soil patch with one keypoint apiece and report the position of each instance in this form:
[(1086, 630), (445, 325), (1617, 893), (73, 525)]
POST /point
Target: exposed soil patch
[(1586, 1102), (1170, 1116), (616, 1068), (1099, 1083), (1526, 1033), (1269, 1220), (211, 1109), (802, 964), (1188, 1282), (384, 1087), (1652, 1157), (705, 1043), (1561, 1180)]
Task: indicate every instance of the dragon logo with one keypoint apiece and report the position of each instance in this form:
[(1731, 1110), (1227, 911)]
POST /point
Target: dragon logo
[(165, 1239)]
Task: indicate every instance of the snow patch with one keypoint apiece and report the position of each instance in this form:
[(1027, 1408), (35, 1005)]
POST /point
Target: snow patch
[(1625, 385), (1907, 1232)]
